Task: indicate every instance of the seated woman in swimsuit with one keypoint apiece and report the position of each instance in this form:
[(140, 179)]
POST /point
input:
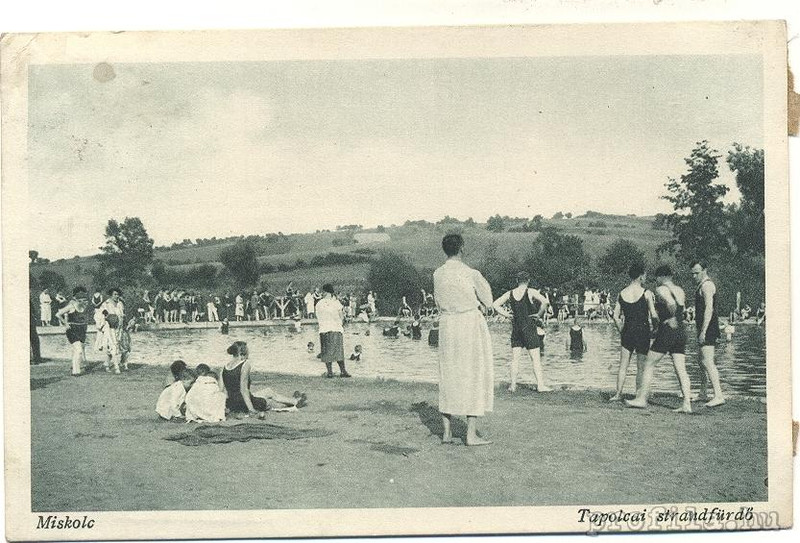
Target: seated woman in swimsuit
[(236, 379)]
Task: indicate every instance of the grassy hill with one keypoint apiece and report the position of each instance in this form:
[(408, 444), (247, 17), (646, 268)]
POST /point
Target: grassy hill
[(419, 243)]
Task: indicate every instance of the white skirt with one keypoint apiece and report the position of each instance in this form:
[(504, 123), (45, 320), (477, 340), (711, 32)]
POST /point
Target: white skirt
[(466, 364)]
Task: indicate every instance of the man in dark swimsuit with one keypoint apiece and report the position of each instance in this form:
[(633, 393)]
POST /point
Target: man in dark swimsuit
[(523, 328), (632, 315), (670, 339), (707, 321)]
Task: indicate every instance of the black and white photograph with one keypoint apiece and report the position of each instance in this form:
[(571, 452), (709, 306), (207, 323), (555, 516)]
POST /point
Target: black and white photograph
[(365, 282)]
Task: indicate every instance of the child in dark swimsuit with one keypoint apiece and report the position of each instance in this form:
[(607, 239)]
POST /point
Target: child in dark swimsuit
[(576, 342)]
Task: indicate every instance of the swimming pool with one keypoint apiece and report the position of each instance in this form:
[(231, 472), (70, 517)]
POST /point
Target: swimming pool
[(741, 361)]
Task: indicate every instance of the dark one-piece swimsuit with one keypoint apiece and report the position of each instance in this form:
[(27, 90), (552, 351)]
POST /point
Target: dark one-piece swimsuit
[(668, 339), (235, 401), (523, 324), (636, 330)]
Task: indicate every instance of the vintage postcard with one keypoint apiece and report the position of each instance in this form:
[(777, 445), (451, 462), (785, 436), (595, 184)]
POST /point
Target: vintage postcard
[(396, 281)]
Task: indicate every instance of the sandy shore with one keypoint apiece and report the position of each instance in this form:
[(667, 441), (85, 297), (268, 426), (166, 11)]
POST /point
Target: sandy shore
[(98, 445)]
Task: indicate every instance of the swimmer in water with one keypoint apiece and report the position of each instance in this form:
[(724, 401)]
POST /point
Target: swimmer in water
[(576, 343)]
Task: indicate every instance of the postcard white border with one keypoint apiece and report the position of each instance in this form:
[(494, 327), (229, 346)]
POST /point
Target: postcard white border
[(764, 38)]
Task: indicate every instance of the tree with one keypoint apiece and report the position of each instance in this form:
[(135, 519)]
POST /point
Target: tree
[(660, 222), (699, 223), (392, 276), (558, 215), (747, 219), (499, 272), (556, 259), (619, 257), (52, 280), (241, 262), (127, 253), (33, 255), (495, 224), (568, 215), (534, 225)]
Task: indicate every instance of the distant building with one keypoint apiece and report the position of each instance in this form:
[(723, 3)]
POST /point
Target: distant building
[(372, 238)]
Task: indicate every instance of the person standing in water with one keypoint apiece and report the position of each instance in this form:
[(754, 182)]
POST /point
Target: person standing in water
[(330, 316), (632, 315), (575, 343), (466, 366), (707, 322), (670, 338), (524, 327)]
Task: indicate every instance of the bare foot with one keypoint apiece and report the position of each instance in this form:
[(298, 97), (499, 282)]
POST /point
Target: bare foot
[(715, 402), (615, 398), (543, 388), (637, 403), (476, 441), (683, 409)]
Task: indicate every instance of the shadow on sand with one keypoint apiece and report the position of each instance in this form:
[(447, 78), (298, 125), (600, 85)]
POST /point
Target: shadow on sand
[(430, 417)]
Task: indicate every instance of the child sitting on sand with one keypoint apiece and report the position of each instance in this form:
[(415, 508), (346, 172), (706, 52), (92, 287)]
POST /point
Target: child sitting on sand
[(356, 356), (171, 401), (205, 401), (175, 370)]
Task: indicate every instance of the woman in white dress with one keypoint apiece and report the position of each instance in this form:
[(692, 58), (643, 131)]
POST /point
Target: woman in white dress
[(466, 368), (45, 307), (239, 308)]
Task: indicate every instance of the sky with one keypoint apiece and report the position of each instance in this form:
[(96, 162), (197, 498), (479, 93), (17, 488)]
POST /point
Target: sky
[(198, 150)]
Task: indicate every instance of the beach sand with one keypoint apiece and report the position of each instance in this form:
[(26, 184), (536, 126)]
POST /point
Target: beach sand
[(98, 445)]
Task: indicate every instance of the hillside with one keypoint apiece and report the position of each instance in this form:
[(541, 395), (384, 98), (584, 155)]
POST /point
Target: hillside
[(420, 243)]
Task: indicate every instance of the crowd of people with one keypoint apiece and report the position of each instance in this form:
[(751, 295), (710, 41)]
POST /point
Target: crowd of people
[(177, 305), (651, 323)]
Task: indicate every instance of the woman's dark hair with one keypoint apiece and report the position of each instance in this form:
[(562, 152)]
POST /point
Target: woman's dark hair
[(663, 271), (112, 290), (78, 290), (202, 369), (176, 368), (452, 244), (187, 374), (327, 287), (523, 277), (636, 270), (238, 348), (702, 263)]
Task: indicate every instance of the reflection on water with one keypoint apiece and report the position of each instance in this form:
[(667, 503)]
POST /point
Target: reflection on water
[(741, 361)]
